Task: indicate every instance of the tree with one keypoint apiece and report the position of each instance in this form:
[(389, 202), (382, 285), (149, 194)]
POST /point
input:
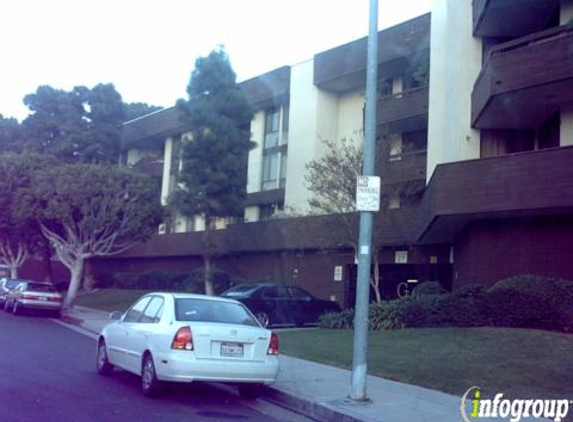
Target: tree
[(88, 210), (332, 180), (212, 181), (135, 110), (19, 237), (82, 125), (10, 135)]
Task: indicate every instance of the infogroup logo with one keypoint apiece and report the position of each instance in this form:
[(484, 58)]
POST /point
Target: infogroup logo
[(515, 410)]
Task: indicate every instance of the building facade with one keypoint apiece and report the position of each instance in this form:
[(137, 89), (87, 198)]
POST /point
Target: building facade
[(475, 115)]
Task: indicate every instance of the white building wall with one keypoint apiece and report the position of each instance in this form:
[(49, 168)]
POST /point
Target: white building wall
[(302, 133), (133, 156), (165, 181), (351, 116), (455, 62), (566, 12), (566, 132)]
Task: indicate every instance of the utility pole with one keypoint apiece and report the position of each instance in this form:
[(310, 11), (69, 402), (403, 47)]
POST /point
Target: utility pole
[(360, 352)]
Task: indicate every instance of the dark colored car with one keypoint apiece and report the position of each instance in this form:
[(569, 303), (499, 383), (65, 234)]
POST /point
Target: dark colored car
[(276, 304)]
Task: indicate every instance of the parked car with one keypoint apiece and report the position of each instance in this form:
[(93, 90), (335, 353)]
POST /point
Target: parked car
[(185, 337), (6, 285), (276, 304), (33, 295)]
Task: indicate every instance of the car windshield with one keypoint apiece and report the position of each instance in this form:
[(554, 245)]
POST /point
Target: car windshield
[(40, 288), (10, 284), (201, 310)]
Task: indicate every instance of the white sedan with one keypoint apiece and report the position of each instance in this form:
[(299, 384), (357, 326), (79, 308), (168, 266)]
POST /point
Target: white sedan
[(185, 338)]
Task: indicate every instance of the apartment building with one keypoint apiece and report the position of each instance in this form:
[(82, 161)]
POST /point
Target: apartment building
[(475, 115)]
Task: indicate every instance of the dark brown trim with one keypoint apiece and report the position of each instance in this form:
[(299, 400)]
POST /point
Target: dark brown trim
[(265, 197)]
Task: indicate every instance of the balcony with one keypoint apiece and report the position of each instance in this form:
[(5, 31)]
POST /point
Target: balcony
[(404, 111), (405, 167), (511, 18), (524, 81), (527, 184)]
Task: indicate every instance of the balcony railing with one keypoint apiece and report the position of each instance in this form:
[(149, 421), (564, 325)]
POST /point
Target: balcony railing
[(399, 108), (525, 184), (404, 167), (524, 81)]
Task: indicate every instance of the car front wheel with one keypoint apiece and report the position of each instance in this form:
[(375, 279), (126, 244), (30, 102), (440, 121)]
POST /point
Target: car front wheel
[(150, 385), (102, 363)]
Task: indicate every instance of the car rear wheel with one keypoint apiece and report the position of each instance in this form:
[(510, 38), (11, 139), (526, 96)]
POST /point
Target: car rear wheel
[(250, 391), (263, 318), (102, 363), (150, 385)]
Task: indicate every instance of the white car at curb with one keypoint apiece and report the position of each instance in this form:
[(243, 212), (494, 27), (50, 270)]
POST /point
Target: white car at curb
[(186, 338)]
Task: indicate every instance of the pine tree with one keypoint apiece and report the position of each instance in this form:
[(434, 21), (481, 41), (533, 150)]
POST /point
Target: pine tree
[(213, 178)]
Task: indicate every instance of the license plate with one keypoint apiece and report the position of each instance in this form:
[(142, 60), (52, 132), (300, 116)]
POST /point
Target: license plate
[(232, 350), (41, 298)]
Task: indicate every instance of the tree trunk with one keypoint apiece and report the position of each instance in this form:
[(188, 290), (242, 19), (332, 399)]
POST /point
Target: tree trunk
[(13, 272), (375, 280), (47, 260), (76, 271), (207, 256)]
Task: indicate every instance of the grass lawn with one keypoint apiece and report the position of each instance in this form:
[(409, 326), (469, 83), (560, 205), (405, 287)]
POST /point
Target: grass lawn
[(519, 363), (110, 299)]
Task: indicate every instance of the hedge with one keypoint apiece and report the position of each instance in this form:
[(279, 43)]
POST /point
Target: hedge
[(526, 301)]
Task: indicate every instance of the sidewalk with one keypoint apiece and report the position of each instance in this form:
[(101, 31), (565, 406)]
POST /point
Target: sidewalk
[(318, 391)]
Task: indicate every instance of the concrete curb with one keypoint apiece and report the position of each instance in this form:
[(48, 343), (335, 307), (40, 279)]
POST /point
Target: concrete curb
[(305, 406)]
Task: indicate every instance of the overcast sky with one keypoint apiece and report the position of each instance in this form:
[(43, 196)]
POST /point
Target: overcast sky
[(147, 48)]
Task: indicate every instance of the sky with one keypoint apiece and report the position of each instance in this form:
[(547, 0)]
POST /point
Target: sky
[(147, 48)]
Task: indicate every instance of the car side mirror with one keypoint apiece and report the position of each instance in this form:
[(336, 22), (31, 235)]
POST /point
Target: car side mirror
[(116, 316)]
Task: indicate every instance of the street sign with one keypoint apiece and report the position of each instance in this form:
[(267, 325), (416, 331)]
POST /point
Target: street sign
[(368, 193)]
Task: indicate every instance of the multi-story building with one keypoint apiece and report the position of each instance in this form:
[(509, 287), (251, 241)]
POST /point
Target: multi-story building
[(475, 113)]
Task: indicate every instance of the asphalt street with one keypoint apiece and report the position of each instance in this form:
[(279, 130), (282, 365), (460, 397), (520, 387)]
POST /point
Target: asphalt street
[(47, 374)]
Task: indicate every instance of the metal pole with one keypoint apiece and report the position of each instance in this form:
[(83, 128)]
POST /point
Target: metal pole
[(360, 352)]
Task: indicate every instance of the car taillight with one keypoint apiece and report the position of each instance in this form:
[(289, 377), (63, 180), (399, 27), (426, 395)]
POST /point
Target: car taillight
[(29, 297), (55, 299), (273, 345), (183, 339)]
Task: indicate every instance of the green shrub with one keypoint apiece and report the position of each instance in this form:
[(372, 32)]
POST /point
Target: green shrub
[(532, 301), (337, 320), (428, 288), (387, 315)]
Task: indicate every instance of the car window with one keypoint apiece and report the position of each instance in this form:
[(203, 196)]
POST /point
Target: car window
[(241, 291), (213, 311), (41, 288), (297, 293), (274, 292), (151, 313), (134, 314), (11, 284)]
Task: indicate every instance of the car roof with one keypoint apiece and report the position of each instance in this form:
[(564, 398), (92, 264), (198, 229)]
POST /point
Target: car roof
[(177, 295)]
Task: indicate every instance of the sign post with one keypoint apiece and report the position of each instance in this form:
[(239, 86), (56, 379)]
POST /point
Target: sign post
[(369, 201)]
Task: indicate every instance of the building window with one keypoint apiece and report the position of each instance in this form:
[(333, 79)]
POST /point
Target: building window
[(269, 210), (275, 148)]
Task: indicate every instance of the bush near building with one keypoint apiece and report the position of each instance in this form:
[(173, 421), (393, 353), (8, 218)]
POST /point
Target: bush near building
[(524, 301)]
